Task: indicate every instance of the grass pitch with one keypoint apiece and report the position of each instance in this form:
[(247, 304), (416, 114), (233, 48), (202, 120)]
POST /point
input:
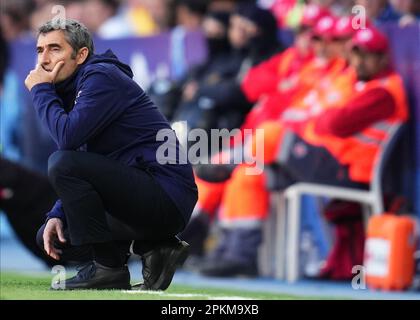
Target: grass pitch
[(15, 286)]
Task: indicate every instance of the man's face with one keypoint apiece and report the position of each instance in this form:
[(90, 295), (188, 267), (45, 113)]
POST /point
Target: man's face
[(339, 46), (320, 47), (367, 65), (213, 29), (241, 31), (53, 47)]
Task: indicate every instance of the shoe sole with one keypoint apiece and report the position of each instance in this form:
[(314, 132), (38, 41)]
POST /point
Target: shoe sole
[(165, 279), (104, 287)]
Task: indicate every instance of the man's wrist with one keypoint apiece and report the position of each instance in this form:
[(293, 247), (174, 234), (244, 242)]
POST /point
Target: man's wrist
[(63, 221), (42, 85), (52, 217)]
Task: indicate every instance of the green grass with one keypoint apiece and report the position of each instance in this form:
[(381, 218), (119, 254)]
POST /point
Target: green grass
[(14, 286)]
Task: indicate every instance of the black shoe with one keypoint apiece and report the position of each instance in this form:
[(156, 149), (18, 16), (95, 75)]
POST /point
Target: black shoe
[(96, 276), (228, 268), (159, 266)]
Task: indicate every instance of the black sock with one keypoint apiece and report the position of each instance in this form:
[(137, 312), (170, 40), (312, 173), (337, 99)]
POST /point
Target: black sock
[(108, 254)]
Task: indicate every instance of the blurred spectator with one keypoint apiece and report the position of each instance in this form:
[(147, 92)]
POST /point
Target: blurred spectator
[(188, 18), (96, 13), (276, 81), (279, 89), (159, 11), (111, 18), (379, 11), (14, 18), (342, 7), (74, 9), (327, 63), (167, 94), (336, 7), (322, 36), (222, 5), (289, 12), (342, 35), (42, 14), (132, 19), (189, 13), (409, 9), (217, 100), (285, 11), (47, 10)]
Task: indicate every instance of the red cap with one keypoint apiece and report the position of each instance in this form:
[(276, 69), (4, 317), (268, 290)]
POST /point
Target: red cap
[(343, 27), (312, 13), (370, 40), (324, 28)]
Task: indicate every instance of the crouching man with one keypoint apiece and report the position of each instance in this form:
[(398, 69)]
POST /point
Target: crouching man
[(114, 194)]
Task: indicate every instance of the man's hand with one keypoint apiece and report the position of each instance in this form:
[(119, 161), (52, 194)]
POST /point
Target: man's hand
[(40, 75), (53, 231)]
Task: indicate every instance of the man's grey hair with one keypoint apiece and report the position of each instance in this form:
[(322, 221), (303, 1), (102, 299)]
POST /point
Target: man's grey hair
[(77, 35)]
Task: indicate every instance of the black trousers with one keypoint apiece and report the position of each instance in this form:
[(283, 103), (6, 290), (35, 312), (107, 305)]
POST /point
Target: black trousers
[(104, 200), (304, 162), (299, 161)]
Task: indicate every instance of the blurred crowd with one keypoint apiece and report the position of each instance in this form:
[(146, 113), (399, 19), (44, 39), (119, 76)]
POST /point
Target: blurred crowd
[(120, 18), (111, 19), (333, 83)]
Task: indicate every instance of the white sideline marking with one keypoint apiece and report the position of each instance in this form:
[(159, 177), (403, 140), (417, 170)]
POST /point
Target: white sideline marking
[(187, 295)]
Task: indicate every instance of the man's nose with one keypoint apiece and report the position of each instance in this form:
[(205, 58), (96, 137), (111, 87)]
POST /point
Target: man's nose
[(44, 59)]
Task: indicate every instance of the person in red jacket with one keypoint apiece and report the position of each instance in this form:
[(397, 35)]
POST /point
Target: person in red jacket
[(334, 143)]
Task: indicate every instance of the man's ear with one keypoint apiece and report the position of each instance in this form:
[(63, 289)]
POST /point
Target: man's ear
[(82, 55)]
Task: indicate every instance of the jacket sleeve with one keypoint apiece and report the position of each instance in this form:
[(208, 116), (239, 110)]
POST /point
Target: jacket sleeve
[(261, 79), (96, 106), (57, 212), (358, 114)]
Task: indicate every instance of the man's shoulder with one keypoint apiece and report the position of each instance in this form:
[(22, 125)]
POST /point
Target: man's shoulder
[(101, 73), (99, 68)]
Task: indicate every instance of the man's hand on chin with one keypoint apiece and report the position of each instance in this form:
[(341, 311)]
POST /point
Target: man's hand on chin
[(39, 75)]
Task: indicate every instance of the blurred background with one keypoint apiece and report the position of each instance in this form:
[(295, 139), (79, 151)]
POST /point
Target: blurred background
[(197, 59)]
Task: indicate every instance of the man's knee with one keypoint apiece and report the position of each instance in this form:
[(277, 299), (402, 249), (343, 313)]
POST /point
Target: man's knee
[(40, 237), (59, 163)]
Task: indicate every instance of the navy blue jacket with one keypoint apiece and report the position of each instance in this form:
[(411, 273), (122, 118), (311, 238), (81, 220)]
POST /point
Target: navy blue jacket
[(100, 109)]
